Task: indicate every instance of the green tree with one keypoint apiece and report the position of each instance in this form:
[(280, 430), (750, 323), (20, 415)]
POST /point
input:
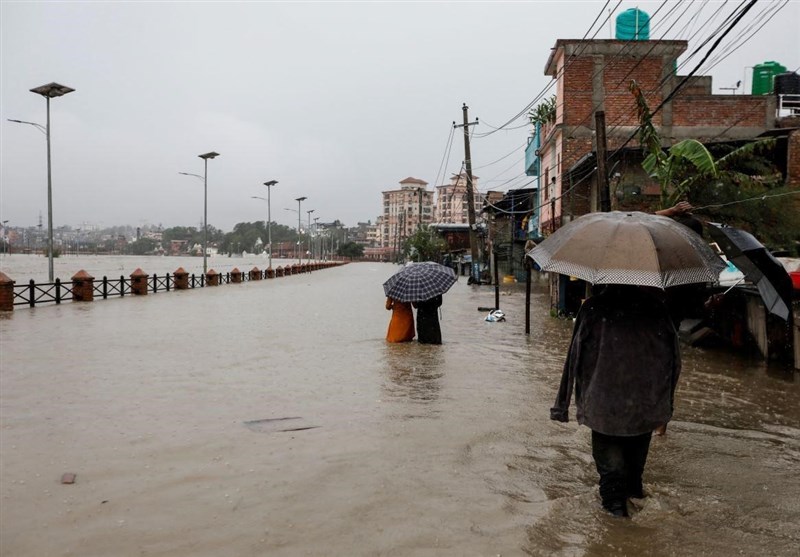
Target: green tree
[(351, 249), (142, 246), (424, 245)]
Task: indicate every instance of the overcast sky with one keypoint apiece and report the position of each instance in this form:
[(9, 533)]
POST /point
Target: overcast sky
[(336, 101)]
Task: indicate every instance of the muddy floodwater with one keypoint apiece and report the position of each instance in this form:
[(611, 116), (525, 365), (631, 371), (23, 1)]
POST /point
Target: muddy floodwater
[(271, 418)]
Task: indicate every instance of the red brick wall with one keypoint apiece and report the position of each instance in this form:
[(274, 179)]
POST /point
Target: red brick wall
[(620, 103), (720, 111)]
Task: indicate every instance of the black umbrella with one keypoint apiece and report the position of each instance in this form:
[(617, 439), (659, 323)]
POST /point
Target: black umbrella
[(758, 265)]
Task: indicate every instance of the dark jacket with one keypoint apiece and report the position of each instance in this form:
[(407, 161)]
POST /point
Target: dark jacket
[(624, 361), (428, 331)]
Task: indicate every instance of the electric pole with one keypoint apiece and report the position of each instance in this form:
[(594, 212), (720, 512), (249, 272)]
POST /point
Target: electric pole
[(602, 173), (473, 236)]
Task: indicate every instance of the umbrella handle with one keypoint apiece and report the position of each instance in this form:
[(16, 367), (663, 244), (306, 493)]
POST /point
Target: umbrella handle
[(734, 284)]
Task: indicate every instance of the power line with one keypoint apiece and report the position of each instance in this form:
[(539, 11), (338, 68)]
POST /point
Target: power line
[(762, 197)]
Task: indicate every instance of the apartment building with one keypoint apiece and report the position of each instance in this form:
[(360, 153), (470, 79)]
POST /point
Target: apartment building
[(404, 210), (451, 200)]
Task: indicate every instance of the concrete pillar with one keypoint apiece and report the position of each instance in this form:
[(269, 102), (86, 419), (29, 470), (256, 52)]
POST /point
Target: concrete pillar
[(212, 278), (82, 287), (139, 282), (181, 278), (236, 275), (270, 272), (6, 293), (279, 271), (255, 274)]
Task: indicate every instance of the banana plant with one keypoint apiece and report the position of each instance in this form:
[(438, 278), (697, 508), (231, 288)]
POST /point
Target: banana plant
[(669, 167)]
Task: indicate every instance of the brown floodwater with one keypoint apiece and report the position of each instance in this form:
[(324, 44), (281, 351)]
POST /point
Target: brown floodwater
[(271, 418)]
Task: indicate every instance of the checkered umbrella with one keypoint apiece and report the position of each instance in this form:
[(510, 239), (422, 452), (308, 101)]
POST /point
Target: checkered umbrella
[(629, 248), (417, 282)]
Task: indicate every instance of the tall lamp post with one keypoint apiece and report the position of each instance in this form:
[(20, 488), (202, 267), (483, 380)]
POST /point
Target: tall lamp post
[(49, 91), (205, 157), (294, 253), (299, 214), (5, 235), (269, 219), (315, 251), (309, 228)]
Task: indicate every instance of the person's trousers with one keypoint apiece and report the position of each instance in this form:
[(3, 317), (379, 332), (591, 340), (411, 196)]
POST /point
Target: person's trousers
[(620, 462)]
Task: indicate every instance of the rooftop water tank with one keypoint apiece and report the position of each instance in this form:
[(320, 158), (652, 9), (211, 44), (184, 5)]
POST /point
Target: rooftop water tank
[(787, 87), (763, 77), (787, 83), (633, 25)]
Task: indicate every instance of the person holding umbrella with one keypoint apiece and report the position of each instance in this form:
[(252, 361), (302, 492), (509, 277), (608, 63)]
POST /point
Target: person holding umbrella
[(428, 329), (422, 284), (624, 359), (624, 362), (401, 326)]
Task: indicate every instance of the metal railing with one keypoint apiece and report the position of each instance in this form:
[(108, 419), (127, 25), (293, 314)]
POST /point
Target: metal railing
[(33, 294), (789, 104)]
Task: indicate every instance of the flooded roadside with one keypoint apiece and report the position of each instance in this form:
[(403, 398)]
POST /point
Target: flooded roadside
[(170, 410)]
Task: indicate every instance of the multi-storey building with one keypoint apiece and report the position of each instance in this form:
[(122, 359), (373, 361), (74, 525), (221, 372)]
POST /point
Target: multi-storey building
[(594, 76), (451, 200), (404, 211)]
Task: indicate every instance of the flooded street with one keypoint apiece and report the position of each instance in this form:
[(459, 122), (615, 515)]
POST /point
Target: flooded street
[(272, 418)]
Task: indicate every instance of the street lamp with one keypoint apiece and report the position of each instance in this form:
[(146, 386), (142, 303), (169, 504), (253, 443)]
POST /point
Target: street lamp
[(269, 219), (315, 251), (49, 91), (205, 157), (309, 228), (5, 235), (299, 213)]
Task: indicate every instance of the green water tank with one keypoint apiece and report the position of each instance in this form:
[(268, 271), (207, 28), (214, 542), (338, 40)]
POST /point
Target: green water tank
[(764, 77), (633, 25)]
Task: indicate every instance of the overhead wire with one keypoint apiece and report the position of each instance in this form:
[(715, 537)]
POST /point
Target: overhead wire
[(541, 94), (742, 12)]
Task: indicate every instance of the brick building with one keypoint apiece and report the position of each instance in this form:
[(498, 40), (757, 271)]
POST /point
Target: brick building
[(594, 76)]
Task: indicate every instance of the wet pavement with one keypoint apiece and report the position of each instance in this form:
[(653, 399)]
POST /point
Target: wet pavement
[(271, 418)]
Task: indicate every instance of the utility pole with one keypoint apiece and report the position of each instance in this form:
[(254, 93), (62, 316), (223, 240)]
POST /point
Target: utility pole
[(602, 173), (473, 236)]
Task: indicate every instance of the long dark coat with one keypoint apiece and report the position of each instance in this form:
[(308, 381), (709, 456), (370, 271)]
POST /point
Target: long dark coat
[(624, 361), (428, 331)]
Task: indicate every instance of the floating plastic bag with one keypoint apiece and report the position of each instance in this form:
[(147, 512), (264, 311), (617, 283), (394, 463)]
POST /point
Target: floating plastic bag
[(496, 315)]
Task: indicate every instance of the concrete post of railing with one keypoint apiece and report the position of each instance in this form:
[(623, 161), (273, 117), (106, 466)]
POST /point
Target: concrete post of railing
[(270, 272), (279, 271), (6, 293), (139, 282), (236, 275), (212, 278), (255, 274), (181, 277), (82, 287)]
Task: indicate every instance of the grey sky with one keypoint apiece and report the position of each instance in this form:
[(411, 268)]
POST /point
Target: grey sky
[(336, 101)]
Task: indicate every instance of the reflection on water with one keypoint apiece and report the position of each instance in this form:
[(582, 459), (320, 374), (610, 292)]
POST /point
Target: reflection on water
[(413, 372), (170, 409)]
